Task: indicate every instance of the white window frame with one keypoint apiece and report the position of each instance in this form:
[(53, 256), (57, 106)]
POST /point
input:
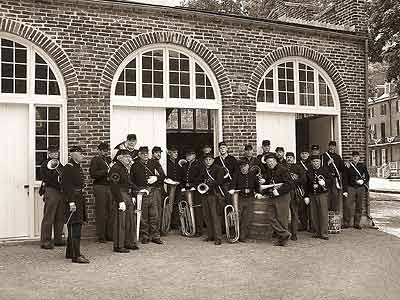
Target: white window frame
[(297, 108), (383, 156), (373, 158)]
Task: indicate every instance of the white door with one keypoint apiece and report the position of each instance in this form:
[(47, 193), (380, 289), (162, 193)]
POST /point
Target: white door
[(14, 178), (148, 123), (279, 128)]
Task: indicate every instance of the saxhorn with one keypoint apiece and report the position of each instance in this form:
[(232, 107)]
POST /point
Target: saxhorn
[(186, 213), (231, 213), (168, 205), (182, 162)]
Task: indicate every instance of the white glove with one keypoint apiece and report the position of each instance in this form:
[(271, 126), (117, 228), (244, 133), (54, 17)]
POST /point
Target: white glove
[(307, 200), (231, 192), (321, 182), (330, 161), (261, 181), (72, 207), (360, 182), (315, 186), (275, 192), (258, 196), (346, 194), (133, 200), (122, 206), (152, 179)]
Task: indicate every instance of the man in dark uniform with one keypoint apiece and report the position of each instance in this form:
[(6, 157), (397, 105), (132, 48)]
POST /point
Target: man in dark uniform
[(73, 184), (278, 198), (247, 184), (54, 205), (174, 172), (227, 162), (319, 181), (121, 187), (99, 168), (248, 156), (159, 192), (266, 148), (206, 150), (304, 210), (334, 163), (355, 180), (144, 176), (191, 179), (297, 193), (280, 156), (129, 145), (213, 176)]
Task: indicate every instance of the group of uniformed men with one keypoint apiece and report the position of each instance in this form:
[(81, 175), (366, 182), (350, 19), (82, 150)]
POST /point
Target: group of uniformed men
[(306, 190)]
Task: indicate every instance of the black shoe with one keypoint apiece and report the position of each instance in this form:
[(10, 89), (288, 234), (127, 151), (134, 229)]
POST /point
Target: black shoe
[(345, 226), (145, 241), (47, 246), (217, 242), (324, 237), (157, 241), (80, 260), (294, 237), (198, 234), (163, 233), (357, 227), (207, 239), (316, 236), (283, 241), (132, 247), (101, 241), (60, 244), (121, 250)]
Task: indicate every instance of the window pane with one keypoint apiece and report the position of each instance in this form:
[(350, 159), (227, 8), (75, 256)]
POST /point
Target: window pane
[(184, 78), (7, 54), (41, 128), (158, 77), (147, 76), (174, 91), (270, 96), (290, 86), (147, 63), (200, 79), (303, 99), (302, 76), (54, 113), (187, 119), (260, 96), (184, 65), (174, 77), (269, 84), (282, 98), (185, 92), (172, 122), (201, 119), (210, 93), (290, 98), (54, 141), (7, 70), (158, 63), (54, 128), (41, 143), (130, 75), (119, 89), (41, 113), (40, 87), (20, 86), (7, 43), (131, 89), (20, 71), (147, 90), (7, 86), (173, 64), (41, 72), (281, 73), (39, 59), (158, 91), (200, 93), (40, 157), (53, 88)]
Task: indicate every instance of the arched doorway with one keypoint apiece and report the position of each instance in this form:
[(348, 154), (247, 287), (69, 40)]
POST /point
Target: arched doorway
[(165, 94), (297, 106), (32, 117)]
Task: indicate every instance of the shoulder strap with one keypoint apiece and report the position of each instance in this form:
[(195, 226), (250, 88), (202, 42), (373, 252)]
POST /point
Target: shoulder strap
[(354, 167)]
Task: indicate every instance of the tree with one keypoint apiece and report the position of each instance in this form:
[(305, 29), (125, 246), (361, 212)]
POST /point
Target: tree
[(384, 36)]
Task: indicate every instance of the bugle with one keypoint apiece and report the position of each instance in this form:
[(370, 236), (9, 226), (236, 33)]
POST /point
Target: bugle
[(139, 199), (168, 205), (231, 213), (186, 213)]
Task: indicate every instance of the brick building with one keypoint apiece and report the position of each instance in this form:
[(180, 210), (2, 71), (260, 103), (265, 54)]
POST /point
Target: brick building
[(85, 71), (384, 131)]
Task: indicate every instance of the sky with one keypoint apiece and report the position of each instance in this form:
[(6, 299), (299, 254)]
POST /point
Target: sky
[(160, 2)]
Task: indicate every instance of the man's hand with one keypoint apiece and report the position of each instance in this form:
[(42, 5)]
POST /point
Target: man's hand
[(133, 200), (231, 192), (261, 181), (152, 179), (72, 207), (307, 200), (360, 182), (275, 192), (122, 206), (321, 182), (330, 161), (258, 196), (346, 194)]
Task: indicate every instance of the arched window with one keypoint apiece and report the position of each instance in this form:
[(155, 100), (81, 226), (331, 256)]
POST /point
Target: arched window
[(295, 84), (165, 76), (28, 77)]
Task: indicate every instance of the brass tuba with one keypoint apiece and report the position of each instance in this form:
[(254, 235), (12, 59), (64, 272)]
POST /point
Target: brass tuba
[(168, 205), (139, 210), (186, 213), (231, 213)]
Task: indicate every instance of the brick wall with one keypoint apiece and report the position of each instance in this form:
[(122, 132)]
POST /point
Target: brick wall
[(87, 40)]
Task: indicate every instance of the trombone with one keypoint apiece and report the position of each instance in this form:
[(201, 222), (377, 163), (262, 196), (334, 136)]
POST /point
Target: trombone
[(186, 213), (168, 205), (231, 213)]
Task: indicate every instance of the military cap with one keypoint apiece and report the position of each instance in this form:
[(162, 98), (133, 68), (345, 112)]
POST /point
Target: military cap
[(208, 155), (354, 153), (248, 147), (221, 144), (332, 143), (243, 162), (75, 149), (279, 149), (122, 152), (266, 143), (206, 146), (270, 155), (314, 156), (315, 147), (290, 154), (131, 137), (172, 148), (52, 148), (103, 146), (189, 151), (156, 149), (143, 149)]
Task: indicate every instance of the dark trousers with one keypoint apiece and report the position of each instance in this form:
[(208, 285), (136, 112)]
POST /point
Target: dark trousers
[(53, 216), (198, 213), (294, 216), (124, 231), (175, 211), (212, 216), (278, 214), (244, 215), (74, 240), (319, 211), (149, 224), (335, 199), (104, 212), (353, 205), (158, 194)]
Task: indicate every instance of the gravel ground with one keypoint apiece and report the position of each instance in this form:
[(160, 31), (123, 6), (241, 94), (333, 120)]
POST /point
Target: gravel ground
[(351, 265)]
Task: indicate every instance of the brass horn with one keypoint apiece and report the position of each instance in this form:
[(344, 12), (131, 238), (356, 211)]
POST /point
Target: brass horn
[(203, 188), (186, 213), (231, 213), (139, 210), (54, 164), (182, 162), (168, 205)]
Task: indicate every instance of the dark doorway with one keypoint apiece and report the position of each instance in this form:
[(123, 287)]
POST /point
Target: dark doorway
[(189, 128)]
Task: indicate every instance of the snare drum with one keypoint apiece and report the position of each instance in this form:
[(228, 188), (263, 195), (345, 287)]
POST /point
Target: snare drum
[(334, 222)]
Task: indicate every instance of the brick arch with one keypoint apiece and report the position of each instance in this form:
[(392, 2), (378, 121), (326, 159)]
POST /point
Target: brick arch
[(301, 51), (44, 42), (166, 37)]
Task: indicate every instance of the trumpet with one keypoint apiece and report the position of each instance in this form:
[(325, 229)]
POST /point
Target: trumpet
[(139, 210), (182, 162), (186, 213), (203, 188), (231, 213), (318, 178), (168, 205)]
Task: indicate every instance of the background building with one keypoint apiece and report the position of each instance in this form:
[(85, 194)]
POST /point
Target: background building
[(97, 70)]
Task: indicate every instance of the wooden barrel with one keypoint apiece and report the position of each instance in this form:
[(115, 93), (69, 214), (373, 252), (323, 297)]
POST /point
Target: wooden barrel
[(259, 227)]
